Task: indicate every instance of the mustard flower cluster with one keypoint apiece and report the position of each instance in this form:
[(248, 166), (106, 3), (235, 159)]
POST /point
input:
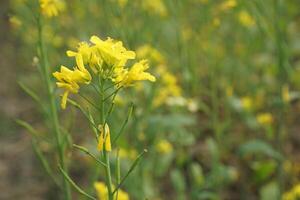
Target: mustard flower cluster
[(104, 58)]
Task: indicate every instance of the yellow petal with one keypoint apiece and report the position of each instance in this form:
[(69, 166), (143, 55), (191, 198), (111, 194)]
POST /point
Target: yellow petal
[(104, 138), (64, 99)]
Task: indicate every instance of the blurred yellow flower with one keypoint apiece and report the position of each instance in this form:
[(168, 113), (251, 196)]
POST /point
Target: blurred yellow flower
[(104, 138), (51, 8), (130, 153), (164, 147), (285, 93), (15, 22), (216, 22), (246, 19), (293, 194), (102, 192), (168, 87), (155, 6), (264, 118), (229, 91), (147, 51), (122, 3), (227, 5), (246, 103)]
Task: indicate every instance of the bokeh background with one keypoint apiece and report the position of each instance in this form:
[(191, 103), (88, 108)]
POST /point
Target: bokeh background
[(220, 122)]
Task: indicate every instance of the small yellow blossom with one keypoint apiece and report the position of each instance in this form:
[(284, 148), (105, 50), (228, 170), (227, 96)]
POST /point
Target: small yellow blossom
[(89, 56), (147, 51), (104, 138), (264, 118), (246, 103), (246, 19), (216, 22), (102, 192), (70, 79), (122, 3), (285, 93), (130, 153), (136, 73), (51, 8), (112, 52), (155, 6), (229, 91), (169, 87), (164, 147), (227, 5), (293, 194)]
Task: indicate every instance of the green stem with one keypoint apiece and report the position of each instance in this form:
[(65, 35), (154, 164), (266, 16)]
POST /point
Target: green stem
[(105, 153), (283, 76), (53, 107)]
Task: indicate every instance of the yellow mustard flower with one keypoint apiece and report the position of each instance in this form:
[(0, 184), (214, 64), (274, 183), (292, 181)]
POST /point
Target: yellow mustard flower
[(70, 79), (51, 8), (104, 138), (164, 147), (246, 103), (102, 192), (130, 153), (293, 194), (137, 72), (147, 51), (285, 93), (155, 6), (89, 55), (112, 52), (169, 87), (227, 5), (122, 3), (264, 118), (246, 19)]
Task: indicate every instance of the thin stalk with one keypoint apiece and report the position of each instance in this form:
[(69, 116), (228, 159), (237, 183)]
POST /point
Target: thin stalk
[(105, 153), (118, 171), (76, 187), (135, 163), (53, 107), (283, 78), (86, 151)]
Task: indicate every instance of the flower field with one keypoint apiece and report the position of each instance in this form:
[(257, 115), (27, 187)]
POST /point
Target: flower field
[(150, 99)]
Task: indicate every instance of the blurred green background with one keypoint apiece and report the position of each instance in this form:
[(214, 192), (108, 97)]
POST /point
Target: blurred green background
[(220, 122)]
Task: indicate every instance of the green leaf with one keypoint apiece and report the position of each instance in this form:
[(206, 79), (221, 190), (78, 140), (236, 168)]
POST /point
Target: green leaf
[(270, 191), (76, 187), (178, 180), (44, 162), (28, 127), (258, 147), (31, 93), (196, 174)]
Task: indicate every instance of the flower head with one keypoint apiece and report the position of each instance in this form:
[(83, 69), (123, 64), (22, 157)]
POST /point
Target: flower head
[(164, 147), (126, 77), (246, 19), (69, 80), (112, 52), (51, 8), (264, 118), (104, 138)]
